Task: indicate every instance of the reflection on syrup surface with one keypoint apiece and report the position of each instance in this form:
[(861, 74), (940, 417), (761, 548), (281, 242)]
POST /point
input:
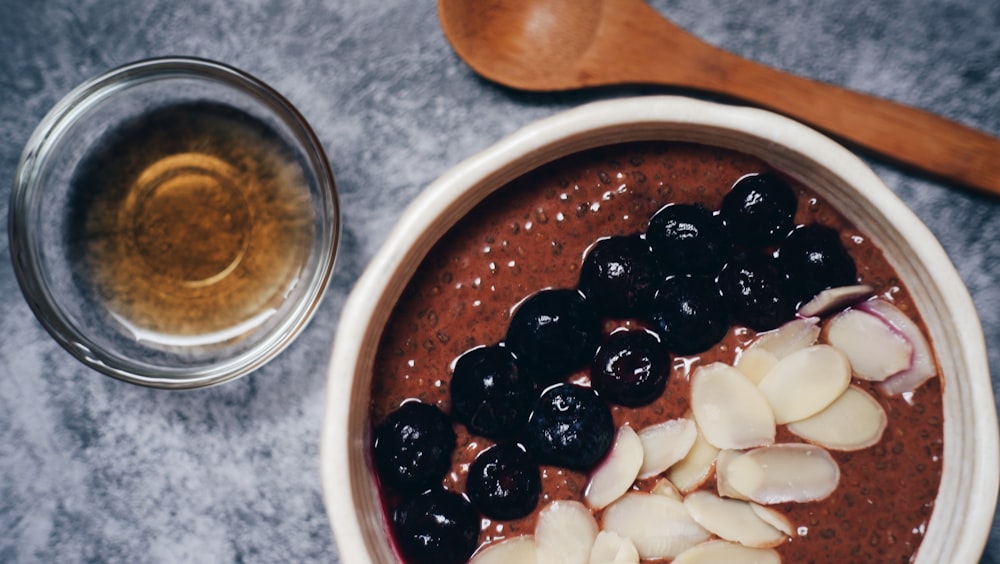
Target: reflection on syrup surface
[(193, 221)]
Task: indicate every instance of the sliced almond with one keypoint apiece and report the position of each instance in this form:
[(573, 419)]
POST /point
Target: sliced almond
[(691, 472), (854, 421), (732, 520), (719, 551), (664, 444), (565, 533), (514, 550), (797, 334), (774, 518), (874, 348), (782, 473), (755, 363), (833, 300), (612, 548), (803, 383), (729, 409), (665, 487), (659, 526), (922, 367), (722, 463), (616, 473)]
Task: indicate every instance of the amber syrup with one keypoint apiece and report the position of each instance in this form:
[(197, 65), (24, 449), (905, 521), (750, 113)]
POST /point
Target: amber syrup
[(192, 221)]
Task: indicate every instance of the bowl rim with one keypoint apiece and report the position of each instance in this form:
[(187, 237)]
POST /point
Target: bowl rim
[(23, 241), (445, 200)]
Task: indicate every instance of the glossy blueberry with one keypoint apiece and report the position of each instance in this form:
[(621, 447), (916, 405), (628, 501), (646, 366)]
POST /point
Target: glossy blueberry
[(489, 394), (631, 368), (688, 239), (759, 210), (438, 527), (814, 259), (619, 276), (757, 292), (553, 333), (413, 447), (570, 427), (504, 482), (689, 314)]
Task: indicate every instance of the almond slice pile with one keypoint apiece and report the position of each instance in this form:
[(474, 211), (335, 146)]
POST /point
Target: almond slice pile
[(804, 383), (733, 520), (854, 421), (875, 349), (610, 547), (897, 349), (659, 526), (785, 377)]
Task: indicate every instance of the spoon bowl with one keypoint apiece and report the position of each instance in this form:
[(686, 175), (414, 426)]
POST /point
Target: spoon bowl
[(503, 42), (552, 45)]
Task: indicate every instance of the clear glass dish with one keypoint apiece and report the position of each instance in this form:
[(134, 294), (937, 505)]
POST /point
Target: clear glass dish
[(173, 223)]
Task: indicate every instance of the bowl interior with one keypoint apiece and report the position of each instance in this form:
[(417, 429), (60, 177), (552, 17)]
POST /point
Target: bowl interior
[(965, 503), (55, 214)]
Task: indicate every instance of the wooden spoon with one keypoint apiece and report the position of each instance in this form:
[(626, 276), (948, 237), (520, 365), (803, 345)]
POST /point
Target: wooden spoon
[(546, 45)]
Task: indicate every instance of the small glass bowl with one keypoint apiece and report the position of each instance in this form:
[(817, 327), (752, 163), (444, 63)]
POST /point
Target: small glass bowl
[(173, 223)]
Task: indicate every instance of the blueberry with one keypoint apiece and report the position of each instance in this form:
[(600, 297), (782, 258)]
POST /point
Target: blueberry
[(413, 447), (689, 314), (553, 333), (757, 292), (489, 395), (631, 368), (688, 239), (438, 527), (759, 210), (619, 276), (570, 427), (814, 259), (504, 482)]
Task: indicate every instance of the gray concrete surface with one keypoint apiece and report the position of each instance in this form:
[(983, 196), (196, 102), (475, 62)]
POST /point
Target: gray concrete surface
[(95, 470)]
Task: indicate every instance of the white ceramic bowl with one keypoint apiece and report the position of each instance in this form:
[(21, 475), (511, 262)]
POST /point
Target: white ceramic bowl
[(966, 500)]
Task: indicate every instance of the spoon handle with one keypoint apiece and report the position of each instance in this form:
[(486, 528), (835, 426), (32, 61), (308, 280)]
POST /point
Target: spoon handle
[(907, 135)]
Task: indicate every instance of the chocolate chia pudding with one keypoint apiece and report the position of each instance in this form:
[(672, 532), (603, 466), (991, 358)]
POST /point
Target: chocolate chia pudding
[(534, 234)]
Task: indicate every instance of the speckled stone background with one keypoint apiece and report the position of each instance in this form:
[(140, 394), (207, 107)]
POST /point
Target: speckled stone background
[(95, 470)]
